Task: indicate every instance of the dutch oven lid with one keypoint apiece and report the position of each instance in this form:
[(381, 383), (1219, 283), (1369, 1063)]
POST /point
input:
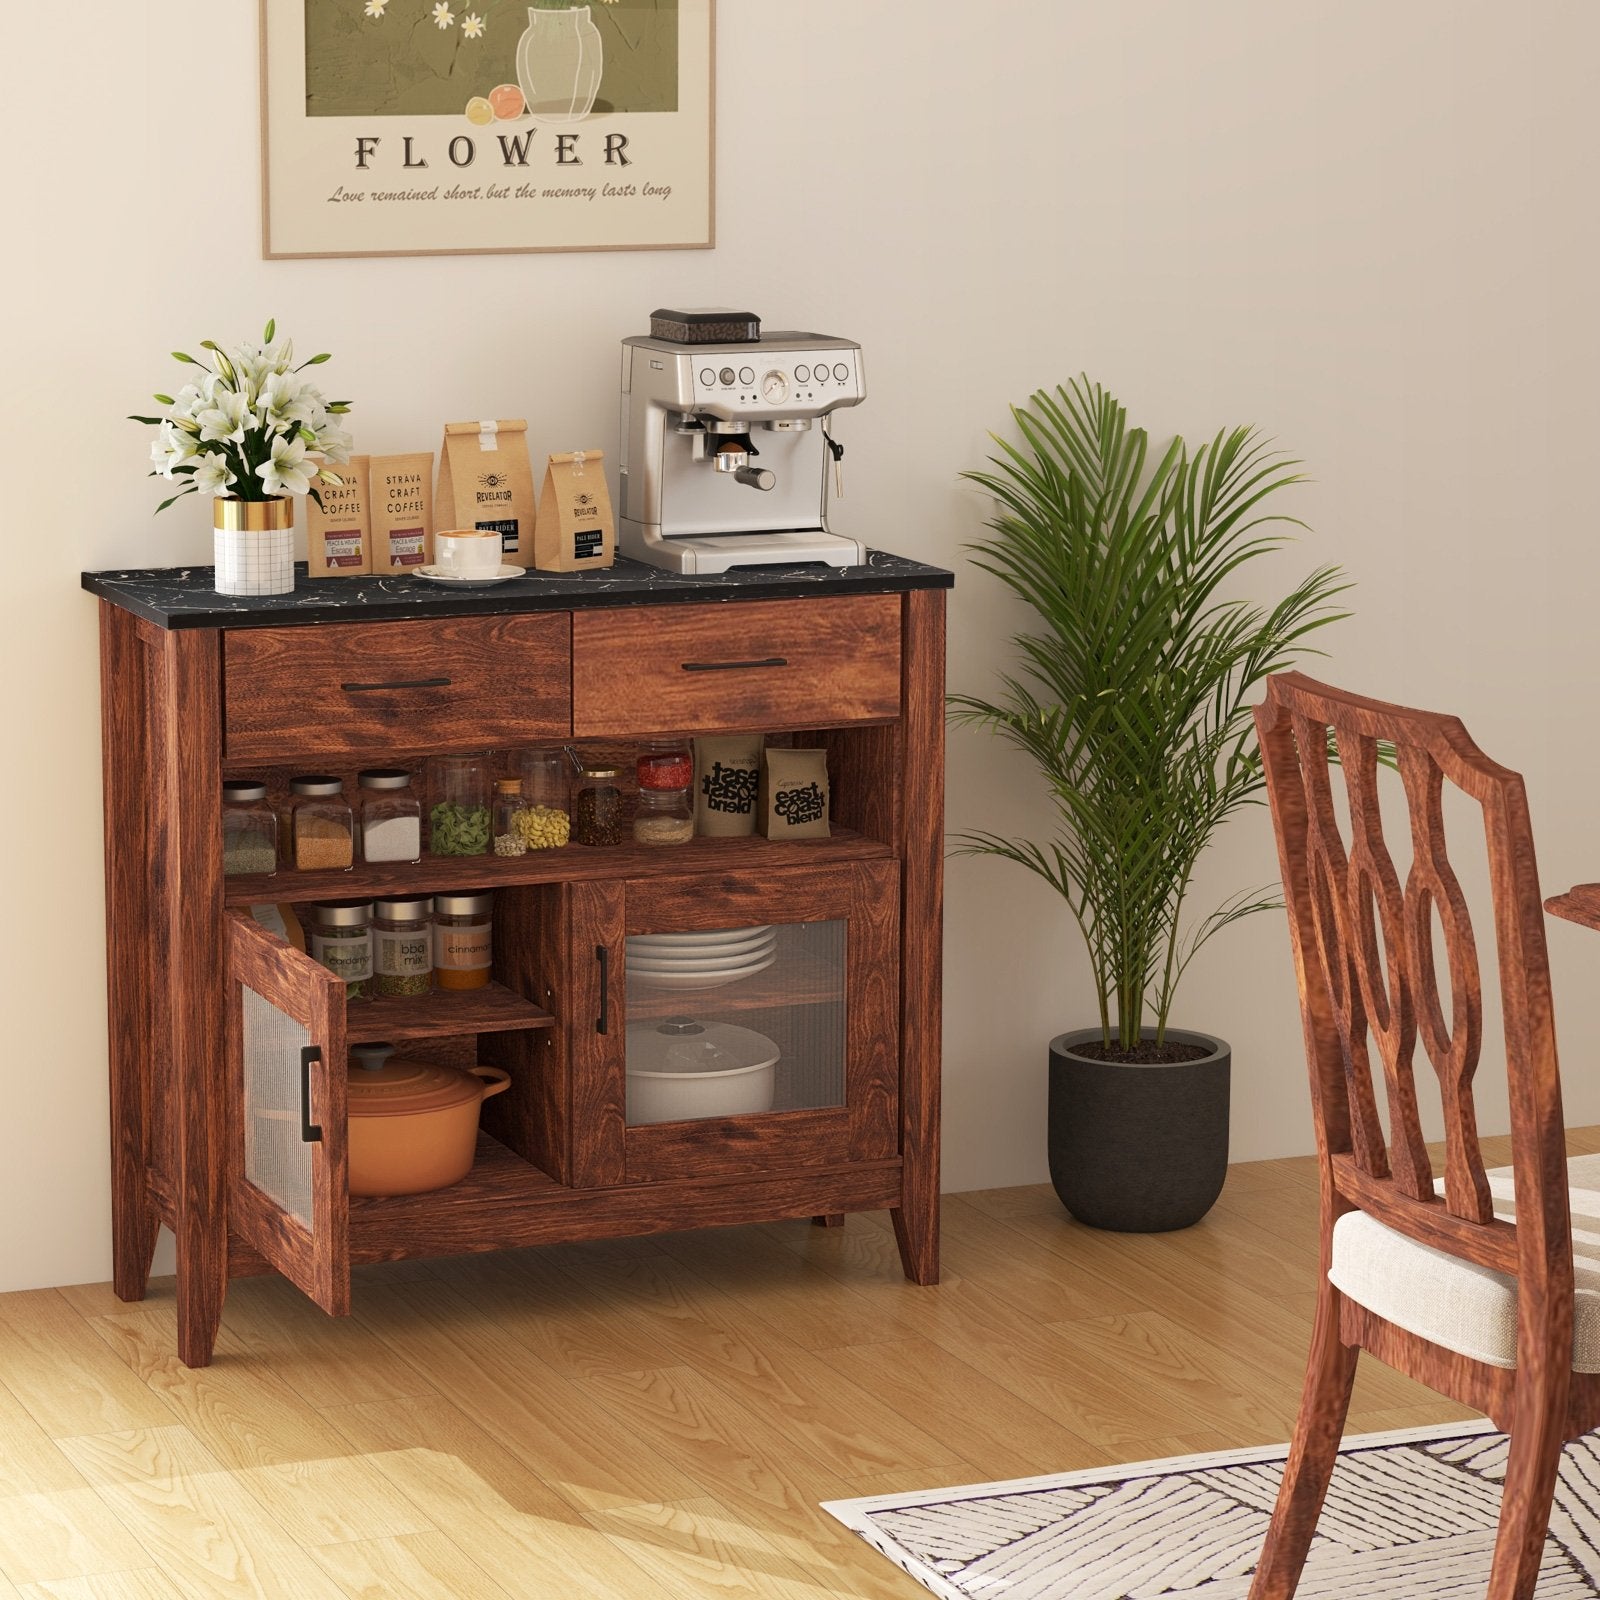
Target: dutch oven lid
[(382, 1084)]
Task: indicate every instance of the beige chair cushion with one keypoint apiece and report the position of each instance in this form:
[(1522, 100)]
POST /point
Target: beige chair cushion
[(1466, 1308)]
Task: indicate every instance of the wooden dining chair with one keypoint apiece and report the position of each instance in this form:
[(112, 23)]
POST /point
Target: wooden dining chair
[(1448, 1280)]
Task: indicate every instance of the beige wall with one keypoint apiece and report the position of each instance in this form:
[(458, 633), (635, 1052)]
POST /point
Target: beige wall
[(1369, 227)]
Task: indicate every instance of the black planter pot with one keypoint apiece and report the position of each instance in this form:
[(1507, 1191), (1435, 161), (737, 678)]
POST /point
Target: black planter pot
[(1138, 1149)]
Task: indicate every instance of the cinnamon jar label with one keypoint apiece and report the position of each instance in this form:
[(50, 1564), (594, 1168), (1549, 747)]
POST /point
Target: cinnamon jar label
[(462, 949), (402, 511), (576, 531), (339, 530), (486, 483)]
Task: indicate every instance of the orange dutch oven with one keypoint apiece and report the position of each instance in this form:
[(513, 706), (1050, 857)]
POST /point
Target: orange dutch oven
[(413, 1124)]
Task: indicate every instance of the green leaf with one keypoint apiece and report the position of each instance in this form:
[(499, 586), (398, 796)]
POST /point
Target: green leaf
[(149, 421), (171, 499)]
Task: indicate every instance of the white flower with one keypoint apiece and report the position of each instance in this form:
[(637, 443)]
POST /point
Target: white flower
[(376, 8), (173, 449), (472, 26), (443, 16), (285, 401), (213, 475), (224, 421), (192, 399), (286, 472), (332, 441)]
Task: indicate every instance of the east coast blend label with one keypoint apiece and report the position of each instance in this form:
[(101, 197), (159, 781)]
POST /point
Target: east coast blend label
[(434, 126)]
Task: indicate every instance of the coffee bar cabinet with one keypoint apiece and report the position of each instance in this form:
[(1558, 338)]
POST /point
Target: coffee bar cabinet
[(229, 1046)]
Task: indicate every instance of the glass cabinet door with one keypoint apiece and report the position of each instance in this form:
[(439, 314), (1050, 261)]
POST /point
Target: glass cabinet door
[(288, 1194), (752, 1026)]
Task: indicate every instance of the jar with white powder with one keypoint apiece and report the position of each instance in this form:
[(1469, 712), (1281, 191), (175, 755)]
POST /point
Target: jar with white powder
[(391, 816)]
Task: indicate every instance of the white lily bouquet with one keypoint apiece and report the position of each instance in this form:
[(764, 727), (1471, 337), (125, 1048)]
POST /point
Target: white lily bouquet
[(251, 428)]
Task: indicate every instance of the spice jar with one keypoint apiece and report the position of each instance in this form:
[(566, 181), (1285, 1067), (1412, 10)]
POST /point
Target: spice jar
[(391, 816), (458, 800), (597, 808), (249, 829), (462, 940), (322, 825), (509, 837), (665, 813), (546, 788), (402, 946), (340, 936)]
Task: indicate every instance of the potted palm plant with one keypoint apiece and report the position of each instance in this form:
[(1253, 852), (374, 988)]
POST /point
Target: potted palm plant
[(1132, 699)]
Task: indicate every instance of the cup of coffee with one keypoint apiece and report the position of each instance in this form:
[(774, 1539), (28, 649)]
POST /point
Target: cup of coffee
[(468, 552)]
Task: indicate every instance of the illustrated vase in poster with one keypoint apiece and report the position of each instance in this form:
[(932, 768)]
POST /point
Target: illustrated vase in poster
[(560, 60), (443, 127)]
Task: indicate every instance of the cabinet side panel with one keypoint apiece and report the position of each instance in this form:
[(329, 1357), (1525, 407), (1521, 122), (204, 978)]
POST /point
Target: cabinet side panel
[(125, 755), (534, 1116), (916, 1222)]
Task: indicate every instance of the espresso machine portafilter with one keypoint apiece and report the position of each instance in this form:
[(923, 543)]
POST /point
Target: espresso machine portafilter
[(727, 450)]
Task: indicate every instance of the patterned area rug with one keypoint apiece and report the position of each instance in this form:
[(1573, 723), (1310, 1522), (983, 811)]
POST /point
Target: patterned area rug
[(1409, 1515)]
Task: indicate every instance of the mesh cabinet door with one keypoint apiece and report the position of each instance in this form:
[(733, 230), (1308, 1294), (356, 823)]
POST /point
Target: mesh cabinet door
[(288, 1194)]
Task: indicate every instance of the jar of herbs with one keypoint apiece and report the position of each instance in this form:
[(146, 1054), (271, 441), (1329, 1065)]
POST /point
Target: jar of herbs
[(402, 946), (510, 838), (458, 806), (322, 826), (391, 816), (249, 830), (597, 808), (665, 812), (463, 933), (339, 933)]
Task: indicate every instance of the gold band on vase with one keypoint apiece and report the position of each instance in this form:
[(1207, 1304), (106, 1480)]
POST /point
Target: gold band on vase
[(253, 516)]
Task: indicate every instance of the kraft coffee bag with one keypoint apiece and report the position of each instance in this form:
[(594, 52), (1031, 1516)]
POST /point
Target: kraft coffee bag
[(486, 482), (575, 532), (794, 794), (401, 497), (339, 531), (727, 780)]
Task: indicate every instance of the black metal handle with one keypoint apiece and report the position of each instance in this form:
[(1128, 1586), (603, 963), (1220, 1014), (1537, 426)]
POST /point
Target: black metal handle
[(734, 666), (602, 1023), (398, 683), (310, 1133)]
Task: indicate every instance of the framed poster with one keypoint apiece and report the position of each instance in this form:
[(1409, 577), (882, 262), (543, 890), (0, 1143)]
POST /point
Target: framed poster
[(451, 127)]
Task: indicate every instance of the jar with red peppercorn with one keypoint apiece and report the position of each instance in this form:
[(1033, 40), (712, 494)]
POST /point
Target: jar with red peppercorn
[(665, 812)]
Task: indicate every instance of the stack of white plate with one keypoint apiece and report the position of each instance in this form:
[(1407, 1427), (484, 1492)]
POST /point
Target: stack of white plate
[(700, 960)]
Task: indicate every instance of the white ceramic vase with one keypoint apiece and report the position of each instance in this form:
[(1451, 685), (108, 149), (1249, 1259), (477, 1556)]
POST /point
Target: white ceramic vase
[(253, 545)]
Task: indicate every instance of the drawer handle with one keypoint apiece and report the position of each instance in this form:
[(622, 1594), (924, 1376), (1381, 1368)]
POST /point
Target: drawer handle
[(734, 666), (310, 1133), (397, 683)]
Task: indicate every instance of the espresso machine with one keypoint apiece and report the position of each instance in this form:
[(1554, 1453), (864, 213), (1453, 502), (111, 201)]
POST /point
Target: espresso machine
[(727, 450)]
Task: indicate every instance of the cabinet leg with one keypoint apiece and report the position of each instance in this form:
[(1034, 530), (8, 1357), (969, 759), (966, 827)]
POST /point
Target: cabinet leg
[(133, 1245), (829, 1219), (202, 1285), (916, 1231)]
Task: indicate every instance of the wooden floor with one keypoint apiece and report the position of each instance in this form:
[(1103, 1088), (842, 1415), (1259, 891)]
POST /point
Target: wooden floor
[(648, 1418)]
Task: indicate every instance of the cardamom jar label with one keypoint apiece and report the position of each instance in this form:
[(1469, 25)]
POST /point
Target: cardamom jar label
[(350, 959)]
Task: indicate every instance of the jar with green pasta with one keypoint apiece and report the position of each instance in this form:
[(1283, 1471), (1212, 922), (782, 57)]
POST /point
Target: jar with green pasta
[(458, 815)]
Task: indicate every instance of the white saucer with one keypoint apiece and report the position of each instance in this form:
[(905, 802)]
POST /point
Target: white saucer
[(439, 575)]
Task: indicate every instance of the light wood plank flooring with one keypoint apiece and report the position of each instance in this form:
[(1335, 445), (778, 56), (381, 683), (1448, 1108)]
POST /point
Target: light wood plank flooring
[(653, 1418)]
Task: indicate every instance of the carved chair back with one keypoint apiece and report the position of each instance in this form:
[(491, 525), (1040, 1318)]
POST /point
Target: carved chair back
[(1357, 997)]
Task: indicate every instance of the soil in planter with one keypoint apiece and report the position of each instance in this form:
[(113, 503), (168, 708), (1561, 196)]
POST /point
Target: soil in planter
[(1147, 1053)]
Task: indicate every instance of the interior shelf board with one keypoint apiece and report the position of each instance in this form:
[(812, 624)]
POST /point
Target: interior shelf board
[(497, 1174), (571, 863), (442, 1014), (792, 980)]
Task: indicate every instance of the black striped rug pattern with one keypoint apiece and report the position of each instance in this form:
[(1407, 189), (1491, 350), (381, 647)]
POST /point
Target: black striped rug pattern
[(1409, 1514)]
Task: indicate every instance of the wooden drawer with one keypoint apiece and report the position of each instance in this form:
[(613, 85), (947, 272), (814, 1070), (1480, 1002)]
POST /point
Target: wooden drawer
[(759, 665), (452, 683)]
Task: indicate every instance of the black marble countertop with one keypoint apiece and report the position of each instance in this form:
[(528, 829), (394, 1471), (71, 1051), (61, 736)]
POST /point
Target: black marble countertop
[(182, 597)]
